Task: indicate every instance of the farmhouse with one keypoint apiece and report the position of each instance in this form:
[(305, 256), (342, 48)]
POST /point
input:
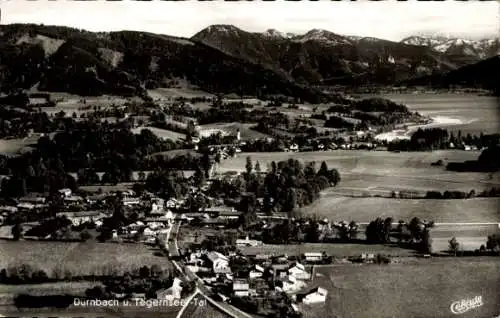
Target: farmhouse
[(73, 199), (299, 272), (247, 242), (313, 256), (171, 293), (317, 295), (241, 288), (66, 192), (256, 272), (220, 263), (130, 201), (290, 284)]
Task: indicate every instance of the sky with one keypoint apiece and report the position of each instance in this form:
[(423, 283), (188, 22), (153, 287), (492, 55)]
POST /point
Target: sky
[(386, 19)]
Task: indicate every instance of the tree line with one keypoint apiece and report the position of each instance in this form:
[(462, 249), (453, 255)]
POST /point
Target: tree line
[(439, 138)]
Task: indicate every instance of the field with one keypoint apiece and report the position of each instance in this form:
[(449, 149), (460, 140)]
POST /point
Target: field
[(122, 186), (333, 249), (426, 289), (80, 258), (187, 92), (73, 103), (74, 288), (337, 208), (377, 172), (161, 133), (10, 147), (245, 131)]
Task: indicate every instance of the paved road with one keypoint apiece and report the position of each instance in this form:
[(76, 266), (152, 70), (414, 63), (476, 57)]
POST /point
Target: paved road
[(201, 288), (173, 248)]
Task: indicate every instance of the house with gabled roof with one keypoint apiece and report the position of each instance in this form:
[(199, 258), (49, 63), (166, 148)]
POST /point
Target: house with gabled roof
[(317, 295)]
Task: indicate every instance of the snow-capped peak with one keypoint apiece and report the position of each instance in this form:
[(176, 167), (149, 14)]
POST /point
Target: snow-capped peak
[(480, 48), (324, 36), (273, 33), (222, 28)]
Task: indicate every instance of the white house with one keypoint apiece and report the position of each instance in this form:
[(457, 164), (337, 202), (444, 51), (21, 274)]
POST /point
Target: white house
[(256, 272), (157, 209), (171, 293), (247, 242), (170, 217), (241, 288), (299, 272), (294, 147), (220, 263), (65, 192), (290, 284), (313, 256), (172, 203), (149, 232), (129, 201), (317, 295), (73, 199)]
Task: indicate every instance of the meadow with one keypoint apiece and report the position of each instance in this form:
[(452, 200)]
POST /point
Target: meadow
[(161, 133), (12, 147), (379, 172), (79, 258), (333, 249), (425, 289), (337, 208), (246, 132)]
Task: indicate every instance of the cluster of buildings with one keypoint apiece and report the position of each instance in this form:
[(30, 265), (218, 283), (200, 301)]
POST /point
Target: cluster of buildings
[(260, 278)]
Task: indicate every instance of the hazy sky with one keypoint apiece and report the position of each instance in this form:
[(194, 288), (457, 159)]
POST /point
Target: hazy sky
[(387, 19)]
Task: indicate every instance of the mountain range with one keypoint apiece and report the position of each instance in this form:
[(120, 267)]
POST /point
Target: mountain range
[(218, 59), (480, 49)]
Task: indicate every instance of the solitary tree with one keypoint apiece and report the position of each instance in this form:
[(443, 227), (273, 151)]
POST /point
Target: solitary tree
[(323, 170), (249, 165), (17, 231), (453, 246), (426, 244)]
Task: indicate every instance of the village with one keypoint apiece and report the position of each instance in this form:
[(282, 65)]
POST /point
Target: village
[(219, 268)]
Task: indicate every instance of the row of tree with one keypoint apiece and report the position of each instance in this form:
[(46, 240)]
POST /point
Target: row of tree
[(416, 233), (440, 138)]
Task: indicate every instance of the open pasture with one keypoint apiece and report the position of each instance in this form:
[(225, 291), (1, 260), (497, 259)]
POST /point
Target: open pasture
[(334, 249), (425, 289), (187, 92), (359, 161), (73, 103), (378, 172), (161, 133), (337, 208), (245, 129), (107, 188), (74, 288), (11, 147), (79, 258)]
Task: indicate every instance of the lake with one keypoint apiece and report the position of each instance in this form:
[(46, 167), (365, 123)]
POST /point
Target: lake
[(469, 113)]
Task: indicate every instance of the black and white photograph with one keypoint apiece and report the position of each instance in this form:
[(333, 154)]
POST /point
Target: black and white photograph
[(250, 159)]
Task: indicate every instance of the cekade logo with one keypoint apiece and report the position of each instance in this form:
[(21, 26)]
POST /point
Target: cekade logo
[(465, 305)]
